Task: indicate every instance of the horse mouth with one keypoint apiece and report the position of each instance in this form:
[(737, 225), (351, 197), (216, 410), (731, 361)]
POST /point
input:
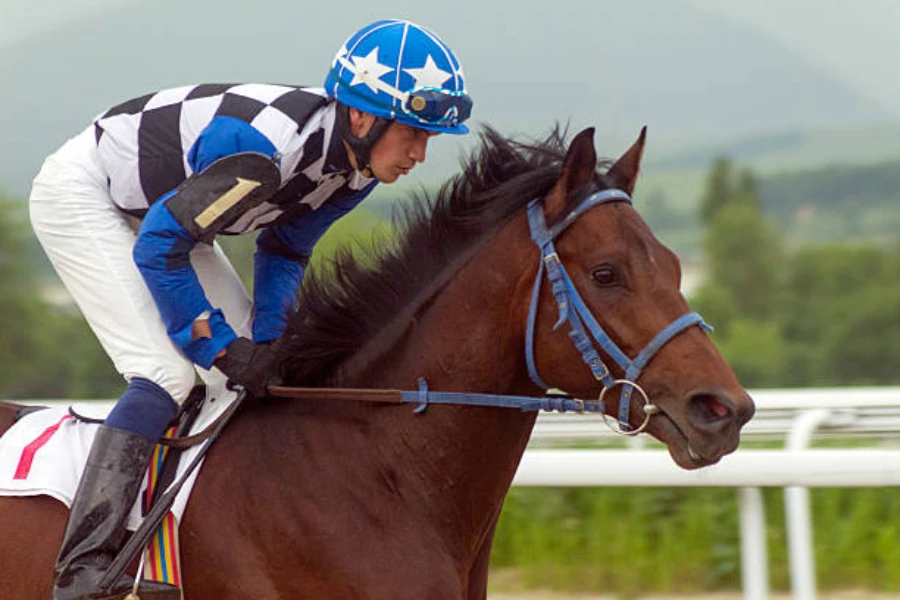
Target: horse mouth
[(685, 454)]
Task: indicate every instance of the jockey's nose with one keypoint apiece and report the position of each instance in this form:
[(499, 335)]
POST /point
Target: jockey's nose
[(419, 148)]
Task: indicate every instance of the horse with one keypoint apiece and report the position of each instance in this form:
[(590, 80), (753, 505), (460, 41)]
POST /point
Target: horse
[(346, 499)]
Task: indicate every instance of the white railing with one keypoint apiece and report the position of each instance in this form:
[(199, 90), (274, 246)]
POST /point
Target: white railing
[(793, 416)]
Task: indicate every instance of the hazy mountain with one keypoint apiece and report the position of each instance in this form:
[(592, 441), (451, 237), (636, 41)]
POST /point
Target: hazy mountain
[(689, 75), (787, 150)]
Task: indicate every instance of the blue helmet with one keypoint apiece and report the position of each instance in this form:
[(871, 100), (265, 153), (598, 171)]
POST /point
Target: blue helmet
[(400, 71)]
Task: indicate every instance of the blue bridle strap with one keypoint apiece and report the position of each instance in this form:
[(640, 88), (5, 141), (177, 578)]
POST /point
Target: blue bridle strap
[(572, 308)]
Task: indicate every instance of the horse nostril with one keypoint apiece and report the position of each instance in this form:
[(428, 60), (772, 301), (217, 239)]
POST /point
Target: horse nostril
[(710, 411)]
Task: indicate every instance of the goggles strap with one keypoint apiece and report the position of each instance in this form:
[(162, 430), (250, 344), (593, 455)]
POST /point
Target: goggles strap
[(360, 146)]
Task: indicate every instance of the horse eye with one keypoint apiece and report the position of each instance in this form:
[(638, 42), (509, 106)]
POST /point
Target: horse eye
[(605, 275)]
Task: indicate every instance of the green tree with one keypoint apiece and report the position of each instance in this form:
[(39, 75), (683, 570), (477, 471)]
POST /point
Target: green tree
[(746, 191), (19, 313), (719, 189), (862, 346), (45, 350), (756, 351), (838, 316), (744, 256), (717, 306), (851, 306), (744, 252), (818, 277)]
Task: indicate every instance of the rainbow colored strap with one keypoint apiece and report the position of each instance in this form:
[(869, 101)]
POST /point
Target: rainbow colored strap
[(162, 559)]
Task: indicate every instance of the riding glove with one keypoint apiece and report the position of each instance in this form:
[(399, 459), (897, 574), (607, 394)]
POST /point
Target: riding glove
[(249, 365)]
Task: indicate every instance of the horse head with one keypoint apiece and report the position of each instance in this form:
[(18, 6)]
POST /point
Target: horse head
[(649, 358), (521, 269)]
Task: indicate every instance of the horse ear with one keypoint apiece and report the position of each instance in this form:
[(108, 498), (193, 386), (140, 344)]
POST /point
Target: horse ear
[(625, 172), (578, 169)]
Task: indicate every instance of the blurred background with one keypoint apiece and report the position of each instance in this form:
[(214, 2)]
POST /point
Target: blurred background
[(772, 169)]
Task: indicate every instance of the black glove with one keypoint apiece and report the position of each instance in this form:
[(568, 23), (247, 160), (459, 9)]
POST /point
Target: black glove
[(249, 365)]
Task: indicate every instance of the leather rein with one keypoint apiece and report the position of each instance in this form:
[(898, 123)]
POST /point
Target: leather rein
[(586, 334)]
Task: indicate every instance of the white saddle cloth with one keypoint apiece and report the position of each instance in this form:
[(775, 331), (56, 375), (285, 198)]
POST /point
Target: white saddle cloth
[(45, 452)]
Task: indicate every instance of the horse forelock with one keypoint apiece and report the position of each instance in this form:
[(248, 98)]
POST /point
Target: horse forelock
[(352, 312)]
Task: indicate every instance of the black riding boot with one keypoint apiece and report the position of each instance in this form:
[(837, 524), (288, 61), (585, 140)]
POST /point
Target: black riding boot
[(96, 530)]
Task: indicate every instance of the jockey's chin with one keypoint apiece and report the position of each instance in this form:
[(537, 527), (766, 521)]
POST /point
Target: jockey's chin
[(400, 148), (391, 174)]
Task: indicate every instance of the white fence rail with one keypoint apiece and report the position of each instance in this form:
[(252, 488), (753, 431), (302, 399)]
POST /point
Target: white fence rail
[(744, 468), (794, 416)]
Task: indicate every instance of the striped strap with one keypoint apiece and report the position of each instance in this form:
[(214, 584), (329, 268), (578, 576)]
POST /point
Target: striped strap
[(162, 559)]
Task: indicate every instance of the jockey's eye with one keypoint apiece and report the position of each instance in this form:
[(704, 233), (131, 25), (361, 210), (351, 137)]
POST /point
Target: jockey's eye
[(605, 275)]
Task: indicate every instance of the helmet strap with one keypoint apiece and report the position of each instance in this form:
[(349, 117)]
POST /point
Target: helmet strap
[(360, 146)]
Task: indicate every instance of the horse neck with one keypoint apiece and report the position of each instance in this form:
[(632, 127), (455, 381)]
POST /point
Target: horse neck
[(470, 339), (470, 336)]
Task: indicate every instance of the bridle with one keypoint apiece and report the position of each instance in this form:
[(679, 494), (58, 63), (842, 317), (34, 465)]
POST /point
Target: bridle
[(586, 333), (572, 308)]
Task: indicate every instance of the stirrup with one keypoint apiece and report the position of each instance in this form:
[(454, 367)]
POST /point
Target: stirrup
[(146, 591)]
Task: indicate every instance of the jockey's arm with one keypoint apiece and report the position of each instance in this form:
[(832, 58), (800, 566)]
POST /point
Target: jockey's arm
[(282, 255), (228, 150)]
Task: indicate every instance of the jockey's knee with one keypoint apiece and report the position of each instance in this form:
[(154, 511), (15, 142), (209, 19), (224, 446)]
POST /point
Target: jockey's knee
[(176, 378), (145, 409)]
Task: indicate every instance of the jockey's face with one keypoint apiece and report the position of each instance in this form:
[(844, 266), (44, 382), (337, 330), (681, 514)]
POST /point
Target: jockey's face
[(397, 151)]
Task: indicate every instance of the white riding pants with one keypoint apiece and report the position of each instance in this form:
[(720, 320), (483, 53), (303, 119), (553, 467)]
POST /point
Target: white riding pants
[(90, 242)]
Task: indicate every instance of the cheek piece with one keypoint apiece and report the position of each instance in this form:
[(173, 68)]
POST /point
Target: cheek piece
[(361, 146)]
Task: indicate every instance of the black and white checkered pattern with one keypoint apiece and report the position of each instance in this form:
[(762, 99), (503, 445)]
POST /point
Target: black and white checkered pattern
[(144, 144)]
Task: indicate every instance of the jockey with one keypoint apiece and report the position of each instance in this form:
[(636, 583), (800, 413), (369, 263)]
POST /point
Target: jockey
[(129, 209)]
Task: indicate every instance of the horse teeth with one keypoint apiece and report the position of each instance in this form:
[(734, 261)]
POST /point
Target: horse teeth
[(693, 454)]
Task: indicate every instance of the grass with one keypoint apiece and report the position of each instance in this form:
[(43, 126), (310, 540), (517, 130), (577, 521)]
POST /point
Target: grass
[(635, 541)]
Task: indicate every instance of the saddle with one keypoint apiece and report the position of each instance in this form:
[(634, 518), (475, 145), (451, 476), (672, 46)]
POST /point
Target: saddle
[(179, 428), (154, 518)]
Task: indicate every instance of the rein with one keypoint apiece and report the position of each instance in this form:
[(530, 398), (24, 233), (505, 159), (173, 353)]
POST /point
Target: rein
[(586, 335), (425, 397), (573, 309)]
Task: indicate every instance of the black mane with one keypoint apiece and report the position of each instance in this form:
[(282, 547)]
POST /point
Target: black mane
[(354, 311)]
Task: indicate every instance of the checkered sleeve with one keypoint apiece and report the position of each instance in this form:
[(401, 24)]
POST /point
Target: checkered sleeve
[(162, 250)]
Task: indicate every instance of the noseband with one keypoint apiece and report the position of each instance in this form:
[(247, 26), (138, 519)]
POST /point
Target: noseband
[(573, 309)]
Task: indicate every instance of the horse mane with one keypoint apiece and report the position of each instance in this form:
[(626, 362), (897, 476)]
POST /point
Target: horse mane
[(356, 308)]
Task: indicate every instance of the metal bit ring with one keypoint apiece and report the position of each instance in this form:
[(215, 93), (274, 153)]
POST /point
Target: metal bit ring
[(649, 408)]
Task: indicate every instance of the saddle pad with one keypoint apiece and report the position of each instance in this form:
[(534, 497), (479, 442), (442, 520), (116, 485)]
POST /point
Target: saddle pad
[(45, 453)]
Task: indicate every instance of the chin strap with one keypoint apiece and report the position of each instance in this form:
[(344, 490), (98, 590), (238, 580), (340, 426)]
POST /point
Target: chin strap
[(361, 146)]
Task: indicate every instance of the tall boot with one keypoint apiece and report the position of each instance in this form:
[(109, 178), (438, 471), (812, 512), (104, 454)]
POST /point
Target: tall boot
[(96, 530)]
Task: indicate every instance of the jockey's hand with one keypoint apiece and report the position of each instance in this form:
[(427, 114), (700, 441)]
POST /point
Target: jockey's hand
[(249, 365)]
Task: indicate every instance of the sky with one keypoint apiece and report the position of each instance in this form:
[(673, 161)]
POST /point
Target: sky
[(856, 44), (616, 64), (20, 19), (856, 41)]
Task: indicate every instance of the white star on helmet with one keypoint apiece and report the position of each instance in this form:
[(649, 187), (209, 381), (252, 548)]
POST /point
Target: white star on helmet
[(429, 75), (369, 70)]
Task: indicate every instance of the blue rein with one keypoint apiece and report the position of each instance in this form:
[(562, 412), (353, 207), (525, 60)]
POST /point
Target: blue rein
[(573, 309)]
